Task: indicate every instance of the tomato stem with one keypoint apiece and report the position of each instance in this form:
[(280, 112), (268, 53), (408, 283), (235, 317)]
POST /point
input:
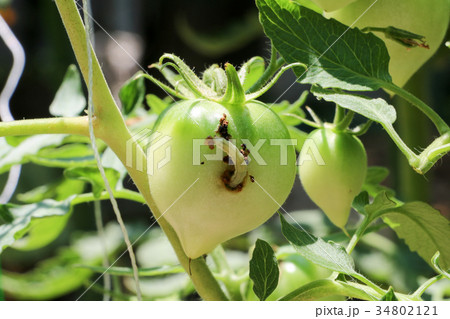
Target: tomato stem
[(346, 120), (339, 114), (440, 124), (274, 65), (314, 116), (420, 291), (112, 129)]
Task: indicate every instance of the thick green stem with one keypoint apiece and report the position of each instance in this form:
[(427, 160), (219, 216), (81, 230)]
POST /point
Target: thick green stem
[(338, 114), (112, 129), (345, 122), (411, 185), (59, 125)]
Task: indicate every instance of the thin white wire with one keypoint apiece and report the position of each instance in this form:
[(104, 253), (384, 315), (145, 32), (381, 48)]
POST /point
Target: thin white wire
[(98, 160), (140, 236), (132, 58), (14, 76)]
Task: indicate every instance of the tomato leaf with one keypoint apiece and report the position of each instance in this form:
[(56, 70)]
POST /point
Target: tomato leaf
[(336, 55), (423, 229), (331, 256), (156, 104), (92, 175), (23, 216), (69, 99), (376, 175), (57, 276), (377, 110), (360, 202), (65, 156), (10, 155), (264, 270), (131, 94)]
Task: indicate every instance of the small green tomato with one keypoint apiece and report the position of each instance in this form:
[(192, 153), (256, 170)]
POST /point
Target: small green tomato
[(230, 166), (428, 18), (332, 169)]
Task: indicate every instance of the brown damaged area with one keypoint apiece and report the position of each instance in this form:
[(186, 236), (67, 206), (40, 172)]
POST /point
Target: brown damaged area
[(210, 142), (222, 129), (245, 152), (226, 179)]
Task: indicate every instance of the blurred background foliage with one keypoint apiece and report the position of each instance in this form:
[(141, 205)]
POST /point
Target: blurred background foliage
[(132, 34)]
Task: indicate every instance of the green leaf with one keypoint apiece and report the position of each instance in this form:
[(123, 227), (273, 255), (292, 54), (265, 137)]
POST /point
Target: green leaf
[(23, 215), (110, 160), (69, 99), (143, 272), (132, 94), (10, 155), (336, 56), (43, 231), (57, 276), (264, 270), (328, 255), (377, 110), (360, 202), (298, 135), (285, 110), (376, 175), (59, 190), (251, 71), (69, 155), (390, 295), (423, 228), (92, 175), (381, 203), (156, 104)]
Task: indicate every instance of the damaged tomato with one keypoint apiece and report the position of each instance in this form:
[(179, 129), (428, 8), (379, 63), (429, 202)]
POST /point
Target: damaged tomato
[(226, 165)]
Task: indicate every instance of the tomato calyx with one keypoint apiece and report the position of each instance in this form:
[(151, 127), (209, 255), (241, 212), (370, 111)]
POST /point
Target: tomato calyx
[(225, 86)]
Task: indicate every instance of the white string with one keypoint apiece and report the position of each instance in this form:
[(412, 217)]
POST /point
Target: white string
[(97, 156), (14, 76)]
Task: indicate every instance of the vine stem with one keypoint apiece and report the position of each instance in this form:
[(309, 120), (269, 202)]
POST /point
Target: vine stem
[(320, 289), (440, 124), (419, 292), (274, 64), (109, 125), (358, 234)]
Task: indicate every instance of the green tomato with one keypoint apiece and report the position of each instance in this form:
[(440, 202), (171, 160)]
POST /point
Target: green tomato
[(425, 17), (332, 169), (195, 193), (332, 5)]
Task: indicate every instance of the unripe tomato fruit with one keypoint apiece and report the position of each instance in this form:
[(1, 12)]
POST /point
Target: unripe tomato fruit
[(334, 179), (210, 212), (332, 5), (428, 18)]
